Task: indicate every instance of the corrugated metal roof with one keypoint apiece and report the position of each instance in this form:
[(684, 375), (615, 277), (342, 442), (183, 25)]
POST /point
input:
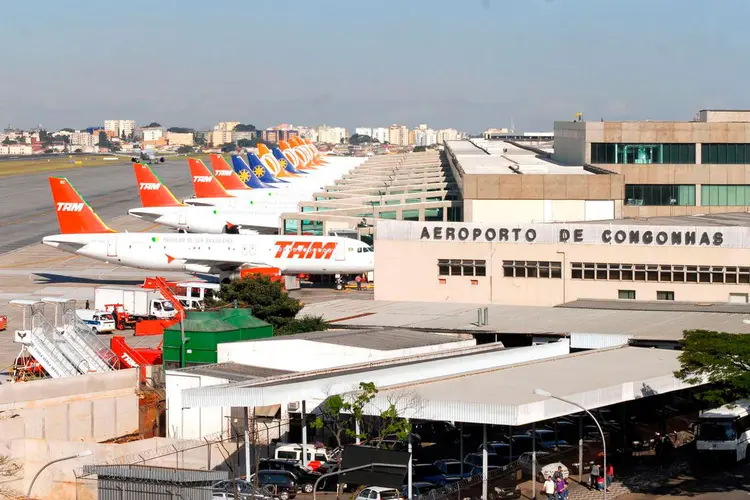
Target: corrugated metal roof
[(660, 305), (231, 371), (382, 339), (505, 395), (436, 316), (157, 474)]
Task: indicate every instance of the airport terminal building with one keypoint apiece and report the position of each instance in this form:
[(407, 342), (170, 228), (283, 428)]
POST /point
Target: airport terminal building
[(693, 259)]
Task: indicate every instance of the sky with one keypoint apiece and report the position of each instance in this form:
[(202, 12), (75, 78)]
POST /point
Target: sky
[(467, 64)]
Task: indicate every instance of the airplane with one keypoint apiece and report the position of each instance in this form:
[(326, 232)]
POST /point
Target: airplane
[(146, 155), (161, 207), (83, 233)]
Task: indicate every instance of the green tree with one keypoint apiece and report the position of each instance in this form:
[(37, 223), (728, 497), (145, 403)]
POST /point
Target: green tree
[(719, 358), (418, 149), (8, 141), (228, 147), (153, 124), (184, 150), (244, 128), (66, 129), (246, 143), (181, 130), (103, 140), (123, 136), (360, 139), (199, 139), (269, 302)]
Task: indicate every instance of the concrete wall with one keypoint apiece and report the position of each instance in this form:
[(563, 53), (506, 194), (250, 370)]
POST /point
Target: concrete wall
[(542, 187), (304, 355), (94, 407), (418, 260), (527, 211), (59, 481), (193, 423), (710, 115), (569, 143)]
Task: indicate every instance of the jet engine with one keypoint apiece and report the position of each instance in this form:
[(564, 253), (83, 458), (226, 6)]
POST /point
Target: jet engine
[(161, 159)]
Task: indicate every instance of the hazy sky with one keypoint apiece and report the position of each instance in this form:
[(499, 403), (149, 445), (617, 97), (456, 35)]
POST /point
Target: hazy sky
[(468, 64)]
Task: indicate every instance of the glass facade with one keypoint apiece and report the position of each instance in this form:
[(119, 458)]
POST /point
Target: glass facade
[(660, 194), (725, 195), (725, 154), (642, 153)]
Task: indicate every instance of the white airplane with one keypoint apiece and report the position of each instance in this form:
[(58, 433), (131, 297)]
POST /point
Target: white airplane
[(226, 255), (161, 206)]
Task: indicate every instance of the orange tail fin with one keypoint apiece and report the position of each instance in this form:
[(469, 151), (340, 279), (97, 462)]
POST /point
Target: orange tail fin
[(73, 213), (204, 182), (152, 190), (226, 176)]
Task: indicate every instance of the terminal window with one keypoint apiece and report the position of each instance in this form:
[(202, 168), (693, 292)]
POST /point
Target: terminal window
[(660, 194), (660, 273), (531, 269), (664, 295), (725, 154), (725, 195), (626, 294), (642, 154), (462, 267)]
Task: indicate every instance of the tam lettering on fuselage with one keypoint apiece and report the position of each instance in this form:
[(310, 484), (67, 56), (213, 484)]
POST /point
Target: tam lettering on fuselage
[(201, 178), (69, 207), (305, 250), (149, 186), (222, 173)]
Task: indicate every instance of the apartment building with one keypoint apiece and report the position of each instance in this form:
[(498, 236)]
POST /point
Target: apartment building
[(398, 135), (180, 138), (117, 127), (83, 139), (331, 135)]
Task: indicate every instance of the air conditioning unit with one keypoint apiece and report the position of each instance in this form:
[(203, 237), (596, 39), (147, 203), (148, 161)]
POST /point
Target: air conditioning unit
[(294, 406)]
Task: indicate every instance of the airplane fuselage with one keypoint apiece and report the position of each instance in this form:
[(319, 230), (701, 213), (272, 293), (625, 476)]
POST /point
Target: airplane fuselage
[(212, 220)]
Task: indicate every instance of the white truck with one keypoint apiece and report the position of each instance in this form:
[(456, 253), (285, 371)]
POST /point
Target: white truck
[(139, 303)]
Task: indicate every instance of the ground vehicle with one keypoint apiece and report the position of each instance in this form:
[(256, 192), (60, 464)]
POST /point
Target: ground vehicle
[(140, 303), (305, 479), (378, 493), (120, 315), (475, 460), (190, 303), (724, 432), (224, 490), (430, 474), (281, 484), (315, 456), (452, 468), (3, 323), (546, 437), (417, 489), (98, 321)]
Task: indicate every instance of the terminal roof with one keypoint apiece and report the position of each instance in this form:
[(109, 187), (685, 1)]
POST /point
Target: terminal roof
[(382, 339), (741, 219), (480, 156), (231, 371)]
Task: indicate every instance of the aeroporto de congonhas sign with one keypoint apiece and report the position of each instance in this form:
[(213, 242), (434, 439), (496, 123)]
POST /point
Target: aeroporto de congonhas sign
[(563, 233)]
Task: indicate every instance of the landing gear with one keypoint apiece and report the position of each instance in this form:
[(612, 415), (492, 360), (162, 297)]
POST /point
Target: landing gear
[(339, 283)]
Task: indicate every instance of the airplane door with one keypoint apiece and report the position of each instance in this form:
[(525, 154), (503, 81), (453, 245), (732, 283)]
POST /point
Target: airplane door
[(340, 252), (245, 250), (112, 246)]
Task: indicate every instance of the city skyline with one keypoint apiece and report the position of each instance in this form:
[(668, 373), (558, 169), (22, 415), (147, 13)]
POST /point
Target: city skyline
[(469, 65)]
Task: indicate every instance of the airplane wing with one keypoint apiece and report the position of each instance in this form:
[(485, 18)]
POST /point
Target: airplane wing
[(223, 264)]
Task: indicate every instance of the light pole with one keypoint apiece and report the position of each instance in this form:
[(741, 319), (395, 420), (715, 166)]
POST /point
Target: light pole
[(82, 454), (543, 393)]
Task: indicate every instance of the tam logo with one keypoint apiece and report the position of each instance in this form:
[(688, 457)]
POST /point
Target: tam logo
[(305, 249), (69, 207), (149, 186), (222, 173), (202, 178)]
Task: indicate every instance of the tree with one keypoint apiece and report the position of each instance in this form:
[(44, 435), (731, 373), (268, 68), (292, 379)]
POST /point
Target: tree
[(66, 129), (269, 302), (8, 141), (123, 136), (244, 128), (181, 130), (153, 124), (184, 150), (103, 140), (719, 358), (199, 139), (360, 139), (246, 143), (228, 147), (418, 149), (78, 150)]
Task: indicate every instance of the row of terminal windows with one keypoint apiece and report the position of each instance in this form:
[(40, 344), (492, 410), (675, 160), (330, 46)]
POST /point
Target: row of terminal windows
[(531, 269), (712, 195), (462, 267), (664, 273), (630, 295), (711, 154)]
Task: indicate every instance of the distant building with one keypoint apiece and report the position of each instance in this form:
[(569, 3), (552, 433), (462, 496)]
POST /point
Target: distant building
[(363, 131), (308, 133), (447, 134), (219, 137), (16, 149), (398, 135), (117, 127), (152, 134), (83, 139), (331, 135), (425, 137), (180, 138), (247, 135), (274, 136), (380, 133), (226, 126)]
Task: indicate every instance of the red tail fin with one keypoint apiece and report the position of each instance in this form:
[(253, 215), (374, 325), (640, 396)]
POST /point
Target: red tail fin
[(152, 190), (73, 213), (204, 182), (226, 176)]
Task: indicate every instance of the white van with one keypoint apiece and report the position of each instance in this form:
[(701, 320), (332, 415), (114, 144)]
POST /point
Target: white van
[(315, 456), (190, 304), (98, 321)]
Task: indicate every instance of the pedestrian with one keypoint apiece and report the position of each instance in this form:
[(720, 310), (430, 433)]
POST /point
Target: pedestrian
[(593, 476), (358, 279), (549, 488), (558, 473), (561, 488), (610, 475), (87, 303), (600, 483)]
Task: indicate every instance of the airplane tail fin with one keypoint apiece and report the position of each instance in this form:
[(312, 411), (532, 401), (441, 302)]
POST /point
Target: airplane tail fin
[(226, 175), (271, 163), (204, 182), (74, 215), (245, 173), (152, 190), (304, 163), (286, 162)]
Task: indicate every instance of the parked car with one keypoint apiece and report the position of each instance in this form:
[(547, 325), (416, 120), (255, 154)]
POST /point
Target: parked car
[(502, 449), (279, 483), (304, 478), (451, 468), (224, 490), (476, 460), (378, 493), (417, 488), (546, 438), (430, 474), (437, 432)]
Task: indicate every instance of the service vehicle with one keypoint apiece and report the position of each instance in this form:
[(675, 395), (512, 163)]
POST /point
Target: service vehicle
[(724, 432), (139, 303), (98, 321)]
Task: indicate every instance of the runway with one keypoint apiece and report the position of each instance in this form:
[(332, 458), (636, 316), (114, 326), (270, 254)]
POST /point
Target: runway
[(26, 212)]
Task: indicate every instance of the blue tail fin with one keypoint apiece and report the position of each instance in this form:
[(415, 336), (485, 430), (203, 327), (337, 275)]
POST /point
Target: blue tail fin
[(284, 163), (261, 171), (246, 174)]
